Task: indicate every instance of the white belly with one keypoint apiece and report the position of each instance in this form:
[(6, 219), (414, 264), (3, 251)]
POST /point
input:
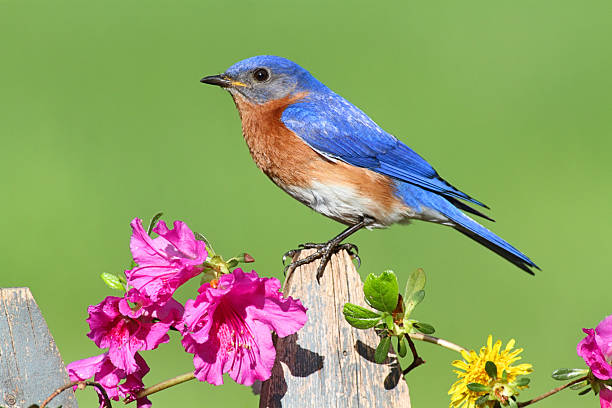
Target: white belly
[(342, 203)]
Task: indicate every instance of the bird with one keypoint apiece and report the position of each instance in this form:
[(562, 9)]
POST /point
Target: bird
[(328, 154)]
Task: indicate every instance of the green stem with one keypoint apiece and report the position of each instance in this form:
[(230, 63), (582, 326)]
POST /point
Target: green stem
[(435, 340), (179, 379)]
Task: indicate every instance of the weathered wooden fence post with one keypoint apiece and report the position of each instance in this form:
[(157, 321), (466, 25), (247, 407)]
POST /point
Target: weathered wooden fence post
[(328, 363), (30, 365)]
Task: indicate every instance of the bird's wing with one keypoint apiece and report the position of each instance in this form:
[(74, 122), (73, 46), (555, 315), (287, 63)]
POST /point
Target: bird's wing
[(339, 130)]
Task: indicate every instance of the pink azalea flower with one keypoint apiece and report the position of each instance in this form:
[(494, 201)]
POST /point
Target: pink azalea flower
[(596, 349), (126, 329), (166, 262), (110, 377), (227, 327)]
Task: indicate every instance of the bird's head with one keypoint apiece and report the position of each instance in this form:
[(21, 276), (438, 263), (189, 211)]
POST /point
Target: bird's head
[(265, 78)]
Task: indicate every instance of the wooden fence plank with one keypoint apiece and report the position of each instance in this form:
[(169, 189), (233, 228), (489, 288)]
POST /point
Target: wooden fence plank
[(328, 363), (30, 365)]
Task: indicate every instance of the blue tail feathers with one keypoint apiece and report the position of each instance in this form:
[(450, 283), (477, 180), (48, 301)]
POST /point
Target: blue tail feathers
[(483, 236), (418, 198)]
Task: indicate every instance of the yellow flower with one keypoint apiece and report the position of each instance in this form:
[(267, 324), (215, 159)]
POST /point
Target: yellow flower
[(473, 366)]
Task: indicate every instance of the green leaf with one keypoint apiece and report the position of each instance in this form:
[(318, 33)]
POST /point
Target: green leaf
[(112, 281), (584, 392), (381, 292), (563, 374), (417, 297), (523, 381), (416, 282), (477, 387), (154, 220), (402, 349), (491, 369), (512, 403), (504, 375), (414, 291), (424, 328), (360, 317), (580, 385), (482, 399), (380, 355), (389, 322)]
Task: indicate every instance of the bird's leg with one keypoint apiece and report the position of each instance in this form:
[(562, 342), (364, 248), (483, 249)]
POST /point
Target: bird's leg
[(327, 249)]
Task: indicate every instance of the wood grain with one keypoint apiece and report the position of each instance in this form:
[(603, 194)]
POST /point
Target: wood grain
[(30, 365), (328, 363)]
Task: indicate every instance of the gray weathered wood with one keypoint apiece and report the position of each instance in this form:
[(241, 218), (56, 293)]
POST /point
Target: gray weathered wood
[(328, 363), (30, 365)]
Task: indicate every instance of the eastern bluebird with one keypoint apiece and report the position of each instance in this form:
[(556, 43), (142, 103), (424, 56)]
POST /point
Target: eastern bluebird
[(329, 155)]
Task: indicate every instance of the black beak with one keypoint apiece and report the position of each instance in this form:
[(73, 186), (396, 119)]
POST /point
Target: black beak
[(219, 80)]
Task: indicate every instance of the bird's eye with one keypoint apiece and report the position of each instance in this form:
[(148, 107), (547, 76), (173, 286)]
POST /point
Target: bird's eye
[(261, 74)]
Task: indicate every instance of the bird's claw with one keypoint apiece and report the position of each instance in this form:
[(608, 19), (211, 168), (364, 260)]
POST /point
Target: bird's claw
[(289, 254), (352, 250), (324, 252)]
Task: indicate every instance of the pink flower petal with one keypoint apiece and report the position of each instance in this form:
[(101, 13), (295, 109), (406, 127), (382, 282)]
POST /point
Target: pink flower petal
[(145, 250), (170, 312), (159, 282), (183, 244), (122, 353), (246, 353), (103, 371), (110, 377), (604, 337), (284, 315), (255, 361), (228, 327), (127, 329), (101, 320), (166, 262), (197, 322), (208, 367), (134, 304), (605, 397), (589, 350), (81, 370)]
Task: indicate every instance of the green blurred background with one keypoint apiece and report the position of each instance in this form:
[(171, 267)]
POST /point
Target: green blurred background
[(103, 119)]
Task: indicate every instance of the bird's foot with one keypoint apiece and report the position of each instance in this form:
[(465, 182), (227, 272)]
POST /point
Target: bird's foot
[(324, 253)]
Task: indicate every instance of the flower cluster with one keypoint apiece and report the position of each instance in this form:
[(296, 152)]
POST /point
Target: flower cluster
[(227, 327)]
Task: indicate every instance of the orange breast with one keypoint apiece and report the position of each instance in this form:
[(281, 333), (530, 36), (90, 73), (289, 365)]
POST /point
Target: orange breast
[(277, 151), (289, 162)]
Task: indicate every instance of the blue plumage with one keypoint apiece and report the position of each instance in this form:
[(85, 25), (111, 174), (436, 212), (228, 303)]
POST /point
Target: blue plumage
[(336, 128), (339, 131)]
